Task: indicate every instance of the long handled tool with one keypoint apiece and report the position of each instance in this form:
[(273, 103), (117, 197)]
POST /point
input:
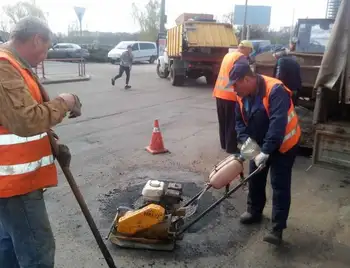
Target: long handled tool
[(79, 197)]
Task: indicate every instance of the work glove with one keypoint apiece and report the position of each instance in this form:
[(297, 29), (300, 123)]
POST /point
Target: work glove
[(73, 103), (261, 159), (64, 157)]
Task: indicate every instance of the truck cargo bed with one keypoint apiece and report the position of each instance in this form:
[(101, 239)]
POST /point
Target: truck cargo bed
[(199, 35), (332, 145)]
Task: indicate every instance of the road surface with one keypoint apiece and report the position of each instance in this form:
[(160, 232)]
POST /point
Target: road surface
[(111, 166)]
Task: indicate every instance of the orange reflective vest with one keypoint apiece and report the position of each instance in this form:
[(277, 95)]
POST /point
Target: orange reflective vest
[(293, 131), (220, 90), (26, 163)]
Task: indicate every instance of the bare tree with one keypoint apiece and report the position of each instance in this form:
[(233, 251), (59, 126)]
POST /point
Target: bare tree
[(148, 19), (22, 9), (227, 18)]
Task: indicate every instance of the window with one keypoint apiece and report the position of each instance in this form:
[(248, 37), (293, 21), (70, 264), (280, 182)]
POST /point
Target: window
[(144, 46), (135, 47)]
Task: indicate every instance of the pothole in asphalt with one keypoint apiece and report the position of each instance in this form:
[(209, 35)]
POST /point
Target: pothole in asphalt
[(210, 236)]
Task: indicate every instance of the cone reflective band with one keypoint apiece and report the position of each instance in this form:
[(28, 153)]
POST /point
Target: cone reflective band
[(156, 145)]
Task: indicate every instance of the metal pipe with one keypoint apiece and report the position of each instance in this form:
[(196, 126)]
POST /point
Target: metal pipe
[(205, 212)]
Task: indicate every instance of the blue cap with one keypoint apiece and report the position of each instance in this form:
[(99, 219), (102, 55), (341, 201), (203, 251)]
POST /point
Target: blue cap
[(239, 70)]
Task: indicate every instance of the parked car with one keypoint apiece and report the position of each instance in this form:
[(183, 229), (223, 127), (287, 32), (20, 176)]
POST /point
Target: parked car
[(67, 50), (143, 51)]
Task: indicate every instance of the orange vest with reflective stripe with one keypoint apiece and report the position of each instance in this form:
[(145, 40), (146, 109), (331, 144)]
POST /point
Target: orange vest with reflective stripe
[(293, 131), (220, 90), (26, 163)]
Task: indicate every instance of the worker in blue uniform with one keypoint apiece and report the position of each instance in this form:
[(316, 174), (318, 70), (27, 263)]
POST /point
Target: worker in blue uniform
[(266, 114), (287, 69)]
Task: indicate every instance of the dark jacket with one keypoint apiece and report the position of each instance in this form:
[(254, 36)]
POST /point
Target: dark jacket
[(268, 132), (287, 70)]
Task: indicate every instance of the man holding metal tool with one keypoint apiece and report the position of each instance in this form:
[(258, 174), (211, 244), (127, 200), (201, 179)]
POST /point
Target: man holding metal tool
[(266, 114), (26, 158)]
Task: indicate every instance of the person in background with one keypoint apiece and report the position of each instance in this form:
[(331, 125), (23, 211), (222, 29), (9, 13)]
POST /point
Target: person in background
[(266, 115), (26, 156), (226, 98), (287, 69), (225, 103), (246, 48), (126, 60)]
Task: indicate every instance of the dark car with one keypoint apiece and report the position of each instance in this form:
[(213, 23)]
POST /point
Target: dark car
[(67, 50)]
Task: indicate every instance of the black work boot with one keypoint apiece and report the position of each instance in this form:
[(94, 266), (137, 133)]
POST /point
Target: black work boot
[(127, 87), (274, 237), (113, 81), (248, 218)]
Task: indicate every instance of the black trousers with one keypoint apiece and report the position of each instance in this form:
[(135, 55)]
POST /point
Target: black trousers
[(123, 69), (280, 166), (227, 124)]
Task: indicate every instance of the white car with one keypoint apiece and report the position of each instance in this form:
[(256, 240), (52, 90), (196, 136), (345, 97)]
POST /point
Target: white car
[(142, 51)]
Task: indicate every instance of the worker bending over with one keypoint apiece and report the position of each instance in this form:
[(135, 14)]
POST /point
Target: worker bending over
[(26, 158), (266, 114), (226, 98)]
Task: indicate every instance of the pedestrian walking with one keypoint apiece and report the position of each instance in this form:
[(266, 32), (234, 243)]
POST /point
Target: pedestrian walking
[(126, 60)]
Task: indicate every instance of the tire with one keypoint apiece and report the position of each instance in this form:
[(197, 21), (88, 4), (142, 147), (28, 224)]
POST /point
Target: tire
[(176, 80), (152, 59), (165, 74)]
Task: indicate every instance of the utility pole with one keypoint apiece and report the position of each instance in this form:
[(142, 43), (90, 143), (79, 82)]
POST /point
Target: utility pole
[(245, 20), (162, 17)]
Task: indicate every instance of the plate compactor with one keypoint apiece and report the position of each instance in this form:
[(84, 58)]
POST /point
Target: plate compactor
[(161, 218)]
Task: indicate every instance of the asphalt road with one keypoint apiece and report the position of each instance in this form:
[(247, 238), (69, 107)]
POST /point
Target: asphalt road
[(111, 166)]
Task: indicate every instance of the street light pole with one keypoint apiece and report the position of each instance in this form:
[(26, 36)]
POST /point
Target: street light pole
[(162, 17), (245, 20)]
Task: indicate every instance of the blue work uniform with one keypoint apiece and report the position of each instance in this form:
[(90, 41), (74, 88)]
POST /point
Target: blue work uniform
[(268, 132)]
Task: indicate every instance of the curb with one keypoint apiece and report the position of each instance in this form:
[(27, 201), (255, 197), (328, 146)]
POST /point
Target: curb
[(65, 80)]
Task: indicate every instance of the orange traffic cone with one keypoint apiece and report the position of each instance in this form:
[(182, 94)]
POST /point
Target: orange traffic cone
[(156, 145)]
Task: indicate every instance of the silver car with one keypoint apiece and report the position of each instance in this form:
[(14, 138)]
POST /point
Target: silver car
[(67, 50)]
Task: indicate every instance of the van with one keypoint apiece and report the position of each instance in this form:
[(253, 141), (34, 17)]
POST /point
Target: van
[(142, 51)]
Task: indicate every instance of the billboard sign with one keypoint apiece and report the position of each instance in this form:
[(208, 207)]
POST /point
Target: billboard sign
[(256, 15)]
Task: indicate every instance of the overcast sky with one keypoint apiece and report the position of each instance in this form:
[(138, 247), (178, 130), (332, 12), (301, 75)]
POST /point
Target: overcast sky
[(115, 15)]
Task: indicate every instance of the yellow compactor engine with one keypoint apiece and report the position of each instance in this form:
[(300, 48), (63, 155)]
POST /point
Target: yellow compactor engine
[(140, 220)]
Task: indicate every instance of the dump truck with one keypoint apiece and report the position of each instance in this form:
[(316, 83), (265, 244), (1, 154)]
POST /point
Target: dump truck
[(331, 114), (195, 47)]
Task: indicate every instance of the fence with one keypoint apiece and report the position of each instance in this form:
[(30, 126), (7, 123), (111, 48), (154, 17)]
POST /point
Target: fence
[(61, 68)]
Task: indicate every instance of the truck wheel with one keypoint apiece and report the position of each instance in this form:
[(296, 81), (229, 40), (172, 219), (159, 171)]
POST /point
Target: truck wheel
[(176, 80), (164, 74)]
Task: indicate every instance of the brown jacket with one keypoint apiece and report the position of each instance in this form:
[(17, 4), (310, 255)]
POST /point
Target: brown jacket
[(19, 112)]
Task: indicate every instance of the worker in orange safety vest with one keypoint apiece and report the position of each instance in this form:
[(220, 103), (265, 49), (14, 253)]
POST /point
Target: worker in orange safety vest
[(26, 157), (226, 98), (266, 114)]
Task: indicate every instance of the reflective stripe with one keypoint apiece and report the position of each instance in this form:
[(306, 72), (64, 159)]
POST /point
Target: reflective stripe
[(291, 116), (290, 134), (10, 139), (155, 129), (19, 169)]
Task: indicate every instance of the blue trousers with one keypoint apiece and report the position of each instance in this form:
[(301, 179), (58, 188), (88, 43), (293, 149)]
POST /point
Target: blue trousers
[(280, 166), (26, 239)]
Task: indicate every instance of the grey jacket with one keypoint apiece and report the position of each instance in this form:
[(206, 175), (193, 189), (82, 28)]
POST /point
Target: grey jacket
[(126, 59)]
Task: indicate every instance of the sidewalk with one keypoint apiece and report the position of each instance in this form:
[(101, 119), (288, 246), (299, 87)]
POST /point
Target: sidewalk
[(63, 79)]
